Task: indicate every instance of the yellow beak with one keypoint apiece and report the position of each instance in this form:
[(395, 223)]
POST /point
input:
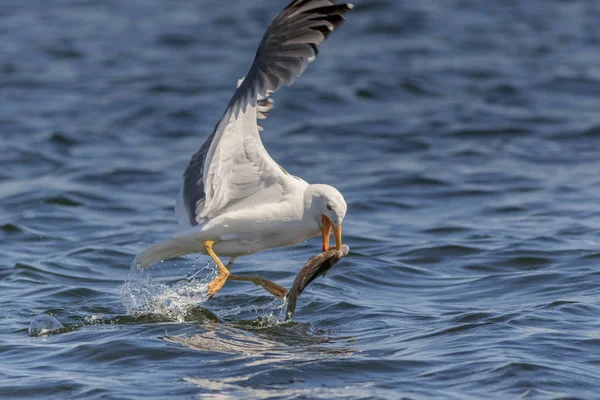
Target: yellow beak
[(337, 233), (325, 231), (326, 226)]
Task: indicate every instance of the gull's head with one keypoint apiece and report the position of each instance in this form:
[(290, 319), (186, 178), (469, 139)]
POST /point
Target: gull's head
[(328, 207)]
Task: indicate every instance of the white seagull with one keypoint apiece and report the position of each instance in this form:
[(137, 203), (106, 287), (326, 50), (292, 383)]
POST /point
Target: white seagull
[(235, 199)]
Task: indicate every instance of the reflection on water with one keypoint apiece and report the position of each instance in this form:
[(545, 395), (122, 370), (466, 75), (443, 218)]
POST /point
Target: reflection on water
[(289, 340), (227, 340), (236, 388)]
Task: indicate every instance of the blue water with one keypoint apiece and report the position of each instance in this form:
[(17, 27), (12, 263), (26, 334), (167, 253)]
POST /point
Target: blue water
[(464, 135)]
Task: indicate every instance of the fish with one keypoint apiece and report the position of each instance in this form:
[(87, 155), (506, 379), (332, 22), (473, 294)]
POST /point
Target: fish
[(318, 265)]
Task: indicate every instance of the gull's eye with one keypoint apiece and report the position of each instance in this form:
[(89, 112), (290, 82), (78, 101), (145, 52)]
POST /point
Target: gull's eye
[(329, 207)]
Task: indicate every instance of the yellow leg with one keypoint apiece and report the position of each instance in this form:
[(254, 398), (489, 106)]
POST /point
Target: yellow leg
[(219, 281), (269, 286)]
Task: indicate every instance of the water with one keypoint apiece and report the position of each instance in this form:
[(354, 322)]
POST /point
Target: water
[(464, 135)]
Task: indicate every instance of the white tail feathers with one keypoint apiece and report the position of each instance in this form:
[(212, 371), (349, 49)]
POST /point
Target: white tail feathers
[(163, 251)]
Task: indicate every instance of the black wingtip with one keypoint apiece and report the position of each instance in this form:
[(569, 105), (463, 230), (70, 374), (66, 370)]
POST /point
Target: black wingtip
[(333, 14), (289, 44)]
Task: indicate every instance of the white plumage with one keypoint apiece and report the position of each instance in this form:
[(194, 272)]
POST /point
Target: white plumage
[(234, 195)]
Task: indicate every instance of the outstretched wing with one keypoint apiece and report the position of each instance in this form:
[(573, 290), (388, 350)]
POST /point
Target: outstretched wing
[(264, 104), (232, 169)]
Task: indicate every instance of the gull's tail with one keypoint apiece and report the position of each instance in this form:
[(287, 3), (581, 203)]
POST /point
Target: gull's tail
[(166, 250)]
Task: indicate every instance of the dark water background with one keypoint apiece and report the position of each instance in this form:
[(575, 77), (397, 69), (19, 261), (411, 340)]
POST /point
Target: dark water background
[(464, 134)]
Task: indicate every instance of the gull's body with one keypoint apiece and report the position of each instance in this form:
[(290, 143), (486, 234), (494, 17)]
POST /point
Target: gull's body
[(248, 231), (236, 200)]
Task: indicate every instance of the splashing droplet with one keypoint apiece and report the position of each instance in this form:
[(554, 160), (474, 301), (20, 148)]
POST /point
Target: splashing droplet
[(43, 325)]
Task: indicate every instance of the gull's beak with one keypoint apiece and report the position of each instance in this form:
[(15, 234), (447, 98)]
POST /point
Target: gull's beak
[(338, 237), (325, 231)]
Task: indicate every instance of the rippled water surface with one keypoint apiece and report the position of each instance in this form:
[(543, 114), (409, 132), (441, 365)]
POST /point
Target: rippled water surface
[(464, 135)]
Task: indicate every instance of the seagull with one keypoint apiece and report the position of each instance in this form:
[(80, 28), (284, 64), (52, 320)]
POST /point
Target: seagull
[(235, 199)]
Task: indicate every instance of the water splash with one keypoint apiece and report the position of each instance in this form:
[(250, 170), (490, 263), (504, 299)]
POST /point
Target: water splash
[(43, 325), (94, 319), (145, 295), (269, 314)]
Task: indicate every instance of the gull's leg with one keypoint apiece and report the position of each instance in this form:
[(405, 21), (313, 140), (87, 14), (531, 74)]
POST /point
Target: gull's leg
[(266, 284), (219, 281), (231, 261)]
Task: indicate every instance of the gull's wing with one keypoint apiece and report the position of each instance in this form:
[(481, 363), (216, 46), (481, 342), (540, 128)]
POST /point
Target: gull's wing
[(232, 169), (264, 104)]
